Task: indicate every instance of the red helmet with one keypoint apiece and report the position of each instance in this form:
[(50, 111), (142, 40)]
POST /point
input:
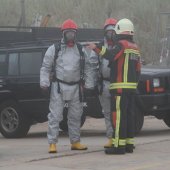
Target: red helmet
[(69, 24), (110, 21)]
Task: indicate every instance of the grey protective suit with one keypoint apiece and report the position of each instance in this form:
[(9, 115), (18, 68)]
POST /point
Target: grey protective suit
[(93, 64), (91, 69), (67, 70), (105, 97)]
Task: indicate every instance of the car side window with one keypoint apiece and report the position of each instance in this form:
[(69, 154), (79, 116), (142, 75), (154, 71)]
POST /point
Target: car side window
[(13, 64), (30, 63)]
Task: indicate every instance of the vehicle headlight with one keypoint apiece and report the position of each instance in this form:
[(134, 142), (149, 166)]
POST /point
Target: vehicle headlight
[(156, 82)]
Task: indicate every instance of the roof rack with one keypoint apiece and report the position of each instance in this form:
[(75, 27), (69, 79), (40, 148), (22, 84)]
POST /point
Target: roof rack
[(40, 43), (27, 35)]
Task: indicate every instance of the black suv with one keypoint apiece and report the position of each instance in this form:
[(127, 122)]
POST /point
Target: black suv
[(153, 95), (23, 104), (21, 101)]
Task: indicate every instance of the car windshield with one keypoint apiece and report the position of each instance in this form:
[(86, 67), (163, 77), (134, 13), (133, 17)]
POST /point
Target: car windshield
[(2, 64)]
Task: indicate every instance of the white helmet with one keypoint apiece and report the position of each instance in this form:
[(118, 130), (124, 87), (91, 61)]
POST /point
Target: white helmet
[(124, 26)]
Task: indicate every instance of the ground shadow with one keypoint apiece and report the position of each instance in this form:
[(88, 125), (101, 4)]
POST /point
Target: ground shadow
[(93, 133), (84, 133)]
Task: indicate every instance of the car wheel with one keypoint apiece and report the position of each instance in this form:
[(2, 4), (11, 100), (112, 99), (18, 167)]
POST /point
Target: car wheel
[(13, 124), (139, 120), (63, 123), (166, 119)]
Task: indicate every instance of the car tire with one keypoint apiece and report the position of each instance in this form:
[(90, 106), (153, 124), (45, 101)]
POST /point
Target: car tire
[(63, 123), (166, 119), (13, 123), (139, 120)]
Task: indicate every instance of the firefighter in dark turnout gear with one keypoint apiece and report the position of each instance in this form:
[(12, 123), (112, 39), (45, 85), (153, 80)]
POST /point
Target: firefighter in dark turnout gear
[(124, 62)]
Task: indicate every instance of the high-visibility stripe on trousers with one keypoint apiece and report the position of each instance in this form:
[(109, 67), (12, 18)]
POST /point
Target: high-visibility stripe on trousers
[(122, 118)]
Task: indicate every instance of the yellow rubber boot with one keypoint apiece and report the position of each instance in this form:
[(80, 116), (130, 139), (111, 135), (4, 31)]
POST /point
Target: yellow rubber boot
[(78, 146), (109, 144), (52, 148)]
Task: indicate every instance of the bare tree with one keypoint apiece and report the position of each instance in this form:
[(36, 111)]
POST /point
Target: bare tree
[(91, 13), (22, 21)]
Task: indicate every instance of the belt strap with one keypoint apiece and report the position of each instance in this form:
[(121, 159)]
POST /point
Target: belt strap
[(68, 83)]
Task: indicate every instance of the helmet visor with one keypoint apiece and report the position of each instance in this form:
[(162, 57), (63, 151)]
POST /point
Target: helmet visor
[(70, 35), (109, 34)]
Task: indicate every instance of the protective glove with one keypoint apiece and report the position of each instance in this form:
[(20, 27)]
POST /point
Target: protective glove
[(45, 91)]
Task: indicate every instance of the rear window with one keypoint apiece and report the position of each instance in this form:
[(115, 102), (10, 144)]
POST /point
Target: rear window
[(13, 68), (3, 65), (30, 63)]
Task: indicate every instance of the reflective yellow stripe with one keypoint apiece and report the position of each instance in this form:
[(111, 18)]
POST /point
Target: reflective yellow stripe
[(113, 141), (130, 141), (126, 65), (116, 144), (102, 52), (132, 51), (123, 85), (122, 142)]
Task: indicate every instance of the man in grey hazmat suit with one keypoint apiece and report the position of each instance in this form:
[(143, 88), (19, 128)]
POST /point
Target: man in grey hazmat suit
[(105, 77), (66, 87), (97, 73)]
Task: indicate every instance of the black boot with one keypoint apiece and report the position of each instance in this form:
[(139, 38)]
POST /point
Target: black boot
[(110, 150), (129, 148), (115, 151)]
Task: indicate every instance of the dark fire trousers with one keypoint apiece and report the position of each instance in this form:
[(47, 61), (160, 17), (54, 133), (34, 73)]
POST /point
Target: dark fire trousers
[(123, 119)]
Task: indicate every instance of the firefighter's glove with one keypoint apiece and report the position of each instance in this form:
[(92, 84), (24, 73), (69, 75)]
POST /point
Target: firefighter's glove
[(45, 91)]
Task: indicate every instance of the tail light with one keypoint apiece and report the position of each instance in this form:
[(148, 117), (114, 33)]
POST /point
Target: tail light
[(148, 86), (158, 89), (155, 86)]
